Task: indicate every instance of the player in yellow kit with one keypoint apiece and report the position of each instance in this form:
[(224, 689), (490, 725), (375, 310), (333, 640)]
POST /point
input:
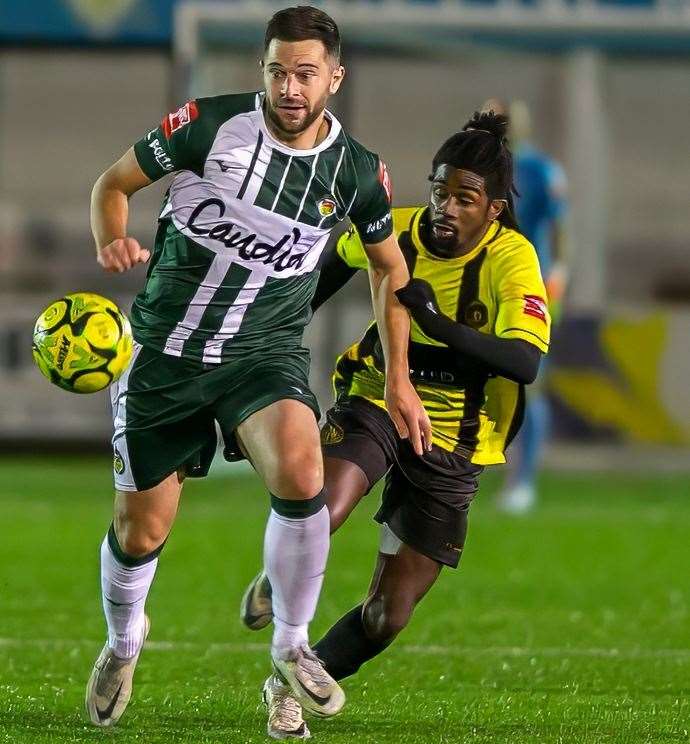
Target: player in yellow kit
[(480, 326)]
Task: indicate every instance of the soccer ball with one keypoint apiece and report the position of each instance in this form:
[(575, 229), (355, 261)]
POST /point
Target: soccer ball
[(82, 342)]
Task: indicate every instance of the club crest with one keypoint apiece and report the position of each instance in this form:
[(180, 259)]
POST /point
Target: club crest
[(331, 434), (326, 206)]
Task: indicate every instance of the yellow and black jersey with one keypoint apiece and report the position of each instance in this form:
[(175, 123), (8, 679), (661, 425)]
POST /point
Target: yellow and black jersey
[(495, 288)]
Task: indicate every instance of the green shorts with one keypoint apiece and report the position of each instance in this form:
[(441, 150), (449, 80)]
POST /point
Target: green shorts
[(165, 409)]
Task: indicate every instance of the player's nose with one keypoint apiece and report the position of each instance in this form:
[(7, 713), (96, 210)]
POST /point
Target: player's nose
[(290, 86)]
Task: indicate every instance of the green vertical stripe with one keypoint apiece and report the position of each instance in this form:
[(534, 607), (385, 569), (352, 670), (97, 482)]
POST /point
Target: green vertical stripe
[(294, 187), (212, 319), (176, 269), (320, 187), (271, 183)]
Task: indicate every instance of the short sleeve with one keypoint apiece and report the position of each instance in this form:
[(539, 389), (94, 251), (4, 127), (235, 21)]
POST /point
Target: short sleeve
[(371, 211), (351, 249), (521, 297), (179, 142)]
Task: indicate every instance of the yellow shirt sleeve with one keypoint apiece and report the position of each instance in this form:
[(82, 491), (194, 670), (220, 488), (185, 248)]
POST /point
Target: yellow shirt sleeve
[(351, 249), (521, 297)]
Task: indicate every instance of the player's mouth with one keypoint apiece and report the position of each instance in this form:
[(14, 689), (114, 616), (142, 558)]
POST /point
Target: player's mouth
[(443, 231), (291, 108)]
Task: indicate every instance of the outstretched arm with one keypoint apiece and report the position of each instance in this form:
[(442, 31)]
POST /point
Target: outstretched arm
[(387, 273), (513, 358)]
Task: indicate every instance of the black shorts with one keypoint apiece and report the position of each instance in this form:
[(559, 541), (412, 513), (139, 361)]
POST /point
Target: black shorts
[(425, 499)]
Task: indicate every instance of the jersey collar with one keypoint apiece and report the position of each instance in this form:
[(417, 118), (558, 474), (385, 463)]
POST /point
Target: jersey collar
[(277, 145), (490, 234)]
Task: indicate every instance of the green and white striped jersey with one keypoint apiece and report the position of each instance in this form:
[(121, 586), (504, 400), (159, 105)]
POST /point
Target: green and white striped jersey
[(243, 225)]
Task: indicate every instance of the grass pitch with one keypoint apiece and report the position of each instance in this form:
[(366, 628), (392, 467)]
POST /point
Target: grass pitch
[(569, 625)]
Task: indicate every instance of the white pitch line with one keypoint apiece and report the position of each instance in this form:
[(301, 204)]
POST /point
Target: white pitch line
[(422, 650)]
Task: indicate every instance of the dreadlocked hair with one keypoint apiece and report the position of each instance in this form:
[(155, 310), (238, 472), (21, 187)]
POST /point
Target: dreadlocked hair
[(482, 147)]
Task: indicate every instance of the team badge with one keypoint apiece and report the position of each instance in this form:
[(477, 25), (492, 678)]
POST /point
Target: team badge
[(331, 434), (385, 181), (326, 206), (180, 118), (476, 314), (535, 306), (118, 463)]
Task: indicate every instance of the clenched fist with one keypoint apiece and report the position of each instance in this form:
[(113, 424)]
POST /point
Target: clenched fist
[(122, 254)]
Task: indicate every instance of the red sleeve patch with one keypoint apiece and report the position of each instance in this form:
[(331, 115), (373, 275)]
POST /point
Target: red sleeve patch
[(385, 181), (535, 306), (180, 118)]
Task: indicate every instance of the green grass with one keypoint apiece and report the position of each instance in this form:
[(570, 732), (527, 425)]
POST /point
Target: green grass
[(569, 625)]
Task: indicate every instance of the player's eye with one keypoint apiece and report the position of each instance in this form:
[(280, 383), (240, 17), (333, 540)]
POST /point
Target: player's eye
[(440, 193)]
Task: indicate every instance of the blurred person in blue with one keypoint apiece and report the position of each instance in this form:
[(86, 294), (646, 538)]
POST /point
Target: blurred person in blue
[(540, 208)]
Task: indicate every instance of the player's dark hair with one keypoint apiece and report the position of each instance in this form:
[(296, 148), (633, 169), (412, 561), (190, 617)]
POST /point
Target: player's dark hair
[(302, 23), (482, 147)]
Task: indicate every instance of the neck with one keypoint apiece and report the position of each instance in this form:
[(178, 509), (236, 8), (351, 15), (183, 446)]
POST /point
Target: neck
[(307, 139)]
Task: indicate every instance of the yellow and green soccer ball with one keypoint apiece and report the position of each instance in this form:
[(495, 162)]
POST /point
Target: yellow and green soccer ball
[(82, 342)]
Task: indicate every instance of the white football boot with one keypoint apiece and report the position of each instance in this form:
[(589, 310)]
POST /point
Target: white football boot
[(110, 685), (313, 687), (285, 720), (256, 610)]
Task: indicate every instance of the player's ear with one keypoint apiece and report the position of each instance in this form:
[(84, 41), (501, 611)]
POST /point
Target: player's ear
[(336, 79), (496, 207)]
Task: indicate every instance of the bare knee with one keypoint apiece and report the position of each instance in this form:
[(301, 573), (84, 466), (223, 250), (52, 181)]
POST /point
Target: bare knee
[(140, 532), (143, 519), (346, 484), (138, 537), (340, 505), (385, 617), (299, 476), (338, 512)]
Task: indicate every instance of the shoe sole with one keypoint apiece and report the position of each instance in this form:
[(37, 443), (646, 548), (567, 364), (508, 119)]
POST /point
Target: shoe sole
[(249, 620), (281, 735)]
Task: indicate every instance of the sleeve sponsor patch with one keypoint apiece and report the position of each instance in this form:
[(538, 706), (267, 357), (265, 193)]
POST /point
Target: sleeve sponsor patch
[(377, 225), (535, 306), (180, 118), (385, 181)]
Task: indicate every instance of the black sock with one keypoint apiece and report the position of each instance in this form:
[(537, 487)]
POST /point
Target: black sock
[(299, 508), (128, 560), (347, 646)]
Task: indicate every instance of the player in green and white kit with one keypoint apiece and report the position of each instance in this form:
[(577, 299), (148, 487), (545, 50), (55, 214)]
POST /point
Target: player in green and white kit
[(260, 181)]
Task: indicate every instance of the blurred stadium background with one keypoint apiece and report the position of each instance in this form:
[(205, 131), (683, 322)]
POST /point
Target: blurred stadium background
[(608, 85)]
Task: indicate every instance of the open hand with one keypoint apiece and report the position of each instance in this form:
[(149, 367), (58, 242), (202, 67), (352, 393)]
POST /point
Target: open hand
[(408, 414)]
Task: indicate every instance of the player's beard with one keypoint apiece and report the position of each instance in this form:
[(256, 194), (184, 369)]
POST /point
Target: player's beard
[(446, 243), (290, 130)]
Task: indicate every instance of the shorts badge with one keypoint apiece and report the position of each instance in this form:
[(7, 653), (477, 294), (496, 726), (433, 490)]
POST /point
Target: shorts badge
[(331, 434), (118, 463)]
